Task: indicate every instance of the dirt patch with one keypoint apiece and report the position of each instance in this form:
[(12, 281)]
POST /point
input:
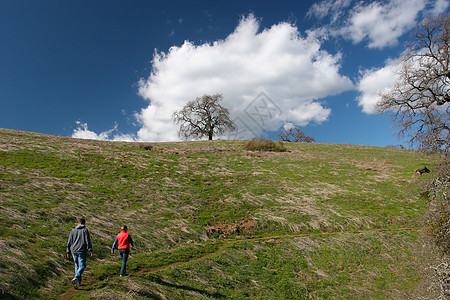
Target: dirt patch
[(226, 230), (70, 293), (375, 165)]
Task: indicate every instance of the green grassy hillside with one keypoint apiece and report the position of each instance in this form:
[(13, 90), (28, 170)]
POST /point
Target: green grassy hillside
[(211, 220)]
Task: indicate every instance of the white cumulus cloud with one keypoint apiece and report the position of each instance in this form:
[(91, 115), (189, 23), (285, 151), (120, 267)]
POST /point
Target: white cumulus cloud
[(383, 24), (82, 132), (268, 78), (380, 24), (333, 8), (374, 82), (439, 7)]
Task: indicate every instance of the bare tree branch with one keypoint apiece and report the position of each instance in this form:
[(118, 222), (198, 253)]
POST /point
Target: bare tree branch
[(295, 134), (419, 101)]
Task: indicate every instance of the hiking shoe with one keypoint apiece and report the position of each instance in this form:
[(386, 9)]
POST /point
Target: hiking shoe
[(75, 283)]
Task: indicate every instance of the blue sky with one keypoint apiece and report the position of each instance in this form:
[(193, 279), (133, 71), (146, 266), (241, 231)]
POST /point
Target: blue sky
[(117, 70)]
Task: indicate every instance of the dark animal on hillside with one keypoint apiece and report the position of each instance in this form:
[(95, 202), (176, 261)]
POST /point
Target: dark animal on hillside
[(420, 171)]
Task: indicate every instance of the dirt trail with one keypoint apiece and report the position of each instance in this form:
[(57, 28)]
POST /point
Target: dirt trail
[(90, 280), (68, 294)]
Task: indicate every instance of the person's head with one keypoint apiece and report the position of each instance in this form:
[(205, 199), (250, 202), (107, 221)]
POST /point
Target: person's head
[(81, 221), (124, 228)]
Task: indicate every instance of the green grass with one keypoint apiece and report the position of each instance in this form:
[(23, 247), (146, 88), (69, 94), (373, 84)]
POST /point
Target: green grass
[(211, 220)]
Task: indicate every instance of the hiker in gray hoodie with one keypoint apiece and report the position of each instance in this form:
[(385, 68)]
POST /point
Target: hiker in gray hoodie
[(79, 243)]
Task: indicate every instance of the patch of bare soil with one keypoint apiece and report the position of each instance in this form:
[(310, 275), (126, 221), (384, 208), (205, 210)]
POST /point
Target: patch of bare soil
[(376, 165), (225, 230), (70, 293)]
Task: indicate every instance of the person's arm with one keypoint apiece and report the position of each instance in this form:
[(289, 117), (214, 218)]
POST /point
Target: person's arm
[(114, 246), (88, 238), (69, 243), (130, 240)]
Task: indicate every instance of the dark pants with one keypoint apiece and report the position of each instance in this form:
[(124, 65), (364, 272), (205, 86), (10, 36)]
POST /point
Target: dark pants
[(124, 254)]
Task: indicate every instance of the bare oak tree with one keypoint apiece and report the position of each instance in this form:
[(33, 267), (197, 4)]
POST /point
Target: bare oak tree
[(203, 117), (419, 101), (295, 134)]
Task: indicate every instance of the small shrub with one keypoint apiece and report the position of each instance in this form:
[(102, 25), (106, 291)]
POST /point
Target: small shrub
[(261, 144), (146, 146)]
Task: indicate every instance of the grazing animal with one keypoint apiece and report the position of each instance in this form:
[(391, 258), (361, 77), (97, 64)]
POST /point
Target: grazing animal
[(420, 171)]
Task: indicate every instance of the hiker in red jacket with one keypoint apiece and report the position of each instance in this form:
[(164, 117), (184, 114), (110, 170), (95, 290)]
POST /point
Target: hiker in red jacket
[(123, 242)]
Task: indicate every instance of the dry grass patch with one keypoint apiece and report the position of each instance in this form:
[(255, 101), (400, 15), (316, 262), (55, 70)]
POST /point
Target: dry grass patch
[(324, 190)]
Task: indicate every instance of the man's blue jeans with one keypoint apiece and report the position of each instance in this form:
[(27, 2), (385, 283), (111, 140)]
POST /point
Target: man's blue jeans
[(80, 264), (124, 254)]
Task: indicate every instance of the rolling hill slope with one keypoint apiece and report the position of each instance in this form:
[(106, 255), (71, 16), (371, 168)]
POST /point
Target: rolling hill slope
[(211, 220)]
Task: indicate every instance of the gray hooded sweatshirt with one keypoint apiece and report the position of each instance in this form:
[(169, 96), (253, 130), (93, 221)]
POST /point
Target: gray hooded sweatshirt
[(79, 240)]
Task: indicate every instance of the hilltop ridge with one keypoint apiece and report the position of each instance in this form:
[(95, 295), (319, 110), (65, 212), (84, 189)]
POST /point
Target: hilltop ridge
[(211, 220)]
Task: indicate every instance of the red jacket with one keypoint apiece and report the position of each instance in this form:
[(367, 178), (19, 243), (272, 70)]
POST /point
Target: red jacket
[(123, 240)]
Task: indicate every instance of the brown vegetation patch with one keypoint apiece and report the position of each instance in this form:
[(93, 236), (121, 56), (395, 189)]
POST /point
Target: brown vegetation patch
[(226, 230), (181, 151), (381, 169), (267, 154)]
